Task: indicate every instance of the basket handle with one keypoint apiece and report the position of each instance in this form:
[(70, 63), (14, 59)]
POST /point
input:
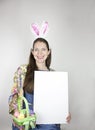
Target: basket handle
[(20, 99)]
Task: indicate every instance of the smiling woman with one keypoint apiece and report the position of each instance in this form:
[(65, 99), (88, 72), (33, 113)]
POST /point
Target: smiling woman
[(40, 59)]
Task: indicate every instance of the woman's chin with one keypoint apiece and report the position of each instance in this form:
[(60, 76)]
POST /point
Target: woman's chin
[(40, 61)]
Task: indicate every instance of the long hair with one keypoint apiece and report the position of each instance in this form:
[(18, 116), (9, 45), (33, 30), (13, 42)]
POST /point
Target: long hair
[(31, 67)]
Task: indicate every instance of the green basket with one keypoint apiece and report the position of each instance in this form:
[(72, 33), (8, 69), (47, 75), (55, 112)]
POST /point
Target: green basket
[(28, 120)]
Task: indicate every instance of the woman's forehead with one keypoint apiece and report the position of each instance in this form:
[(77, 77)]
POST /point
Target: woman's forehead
[(40, 44)]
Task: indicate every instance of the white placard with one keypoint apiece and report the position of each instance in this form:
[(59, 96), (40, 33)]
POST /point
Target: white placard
[(51, 97)]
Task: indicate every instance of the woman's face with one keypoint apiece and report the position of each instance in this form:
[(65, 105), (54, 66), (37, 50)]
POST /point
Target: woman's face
[(40, 52)]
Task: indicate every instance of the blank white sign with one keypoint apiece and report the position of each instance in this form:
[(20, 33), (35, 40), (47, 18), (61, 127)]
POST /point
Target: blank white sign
[(51, 97)]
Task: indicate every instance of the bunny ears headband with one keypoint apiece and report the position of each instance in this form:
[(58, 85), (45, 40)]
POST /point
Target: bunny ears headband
[(39, 32)]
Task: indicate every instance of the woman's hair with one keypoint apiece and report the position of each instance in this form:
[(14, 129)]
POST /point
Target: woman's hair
[(29, 78)]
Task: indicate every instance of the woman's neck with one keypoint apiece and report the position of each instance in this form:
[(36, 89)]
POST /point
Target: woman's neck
[(42, 66)]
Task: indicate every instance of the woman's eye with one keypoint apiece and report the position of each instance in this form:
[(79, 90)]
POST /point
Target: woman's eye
[(35, 49), (43, 49)]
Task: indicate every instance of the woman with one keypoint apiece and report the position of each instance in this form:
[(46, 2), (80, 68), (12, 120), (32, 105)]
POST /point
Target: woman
[(40, 59)]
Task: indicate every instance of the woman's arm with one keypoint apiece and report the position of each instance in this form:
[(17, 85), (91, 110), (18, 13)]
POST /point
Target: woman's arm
[(16, 90)]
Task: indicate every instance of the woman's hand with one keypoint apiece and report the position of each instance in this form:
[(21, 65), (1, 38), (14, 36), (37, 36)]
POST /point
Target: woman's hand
[(68, 119)]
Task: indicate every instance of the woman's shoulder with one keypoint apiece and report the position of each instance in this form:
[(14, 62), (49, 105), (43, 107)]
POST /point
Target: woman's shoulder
[(20, 72), (22, 69)]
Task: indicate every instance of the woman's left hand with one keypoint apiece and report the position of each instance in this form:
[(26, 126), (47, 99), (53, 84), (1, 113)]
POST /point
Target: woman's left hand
[(68, 119)]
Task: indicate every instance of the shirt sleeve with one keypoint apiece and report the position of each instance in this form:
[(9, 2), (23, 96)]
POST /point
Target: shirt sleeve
[(16, 90)]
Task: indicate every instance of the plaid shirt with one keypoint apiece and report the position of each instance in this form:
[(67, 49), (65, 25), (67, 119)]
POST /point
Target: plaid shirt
[(18, 79)]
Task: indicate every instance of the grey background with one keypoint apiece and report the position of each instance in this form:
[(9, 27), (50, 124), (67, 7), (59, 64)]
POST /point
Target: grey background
[(72, 40)]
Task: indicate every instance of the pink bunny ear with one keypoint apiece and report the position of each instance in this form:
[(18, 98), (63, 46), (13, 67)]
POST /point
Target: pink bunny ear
[(35, 29), (44, 28)]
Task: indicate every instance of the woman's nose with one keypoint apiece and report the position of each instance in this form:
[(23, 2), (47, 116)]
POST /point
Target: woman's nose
[(39, 52)]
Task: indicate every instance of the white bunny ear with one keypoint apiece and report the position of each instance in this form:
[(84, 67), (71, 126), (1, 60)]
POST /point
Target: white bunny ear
[(44, 29), (35, 29)]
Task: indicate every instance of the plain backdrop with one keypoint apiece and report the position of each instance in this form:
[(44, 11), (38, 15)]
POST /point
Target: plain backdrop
[(72, 40)]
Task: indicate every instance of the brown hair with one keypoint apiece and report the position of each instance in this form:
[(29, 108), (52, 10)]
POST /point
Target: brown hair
[(29, 78)]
